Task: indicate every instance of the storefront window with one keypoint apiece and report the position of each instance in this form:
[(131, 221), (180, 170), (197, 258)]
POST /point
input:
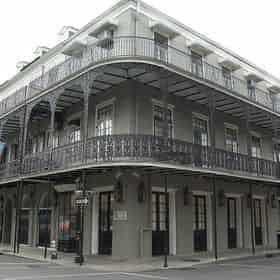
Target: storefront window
[(67, 222)]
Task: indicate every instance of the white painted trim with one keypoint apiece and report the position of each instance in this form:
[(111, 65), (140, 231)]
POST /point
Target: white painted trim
[(209, 215), (198, 192), (234, 195), (95, 224), (200, 116), (172, 217), (231, 126), (255, 196), (172, 223), (160, 103), (103, 189), (99, 106), (162, 189)]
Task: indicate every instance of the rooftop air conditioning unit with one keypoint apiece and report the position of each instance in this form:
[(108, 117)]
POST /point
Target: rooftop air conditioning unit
[(105, 38)]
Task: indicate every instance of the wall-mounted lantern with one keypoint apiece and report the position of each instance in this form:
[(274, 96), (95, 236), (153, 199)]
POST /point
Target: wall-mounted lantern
[(249, 200), (273, 200), (221, 198), (141, 192), (118, 191), (186, 195)]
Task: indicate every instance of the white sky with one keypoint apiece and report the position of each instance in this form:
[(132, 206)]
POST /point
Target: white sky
[(249, 28)]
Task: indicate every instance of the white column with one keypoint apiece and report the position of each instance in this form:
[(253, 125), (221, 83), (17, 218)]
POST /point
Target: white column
[(95, 224)]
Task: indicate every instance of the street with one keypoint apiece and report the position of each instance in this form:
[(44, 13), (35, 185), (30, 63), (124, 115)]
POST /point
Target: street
[(15, 268)]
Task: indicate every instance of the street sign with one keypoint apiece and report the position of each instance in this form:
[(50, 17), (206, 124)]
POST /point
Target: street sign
[(82, 201)]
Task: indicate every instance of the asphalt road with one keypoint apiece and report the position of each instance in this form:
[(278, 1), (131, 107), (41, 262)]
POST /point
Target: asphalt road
[(15, 268)]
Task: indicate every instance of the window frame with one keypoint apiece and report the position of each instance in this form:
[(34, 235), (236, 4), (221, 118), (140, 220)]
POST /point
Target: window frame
[(204, 118), (100, 106), (170, 107), (233, 127)]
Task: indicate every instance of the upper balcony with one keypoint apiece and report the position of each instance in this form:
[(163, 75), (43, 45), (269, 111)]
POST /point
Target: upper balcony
[(134, 49), (140, 150)]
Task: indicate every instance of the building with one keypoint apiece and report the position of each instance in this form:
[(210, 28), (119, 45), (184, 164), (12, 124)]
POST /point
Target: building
[(170, 139)]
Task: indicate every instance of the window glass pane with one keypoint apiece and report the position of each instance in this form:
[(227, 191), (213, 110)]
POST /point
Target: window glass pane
[(159, 121), (105, 120), (231, 140), (200, 130)]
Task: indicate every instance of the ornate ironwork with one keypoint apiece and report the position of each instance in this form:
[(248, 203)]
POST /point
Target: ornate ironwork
[(139, 148), (137, 47)]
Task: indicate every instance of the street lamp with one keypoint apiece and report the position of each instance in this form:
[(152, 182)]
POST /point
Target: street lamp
[(82, 200)]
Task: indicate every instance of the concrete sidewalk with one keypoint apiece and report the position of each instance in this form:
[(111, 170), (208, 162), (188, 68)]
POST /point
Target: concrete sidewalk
[(107, 263)]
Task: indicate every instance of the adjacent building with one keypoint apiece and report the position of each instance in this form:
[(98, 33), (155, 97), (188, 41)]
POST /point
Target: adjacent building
[(170, 140)]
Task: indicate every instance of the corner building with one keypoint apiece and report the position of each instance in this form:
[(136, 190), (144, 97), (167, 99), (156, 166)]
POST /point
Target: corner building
[(173, 139)]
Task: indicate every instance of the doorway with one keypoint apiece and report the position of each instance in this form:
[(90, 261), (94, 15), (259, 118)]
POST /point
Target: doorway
[(258, 221), (200, 223), (232, 222), (105, 223), (160, 223)]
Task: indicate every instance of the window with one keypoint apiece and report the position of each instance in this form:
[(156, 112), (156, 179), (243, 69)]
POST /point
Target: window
[(75, 135), (256, 147), (200, 131), (231, 139), (37, 143), (13, 152), (251, 89), (197, 63), (161, 46), (105, 120), (276, 153), (226, 76), (159, 121)]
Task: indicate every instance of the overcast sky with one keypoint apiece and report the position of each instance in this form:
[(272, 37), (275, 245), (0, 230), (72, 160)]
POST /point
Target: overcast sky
[(250, 28)]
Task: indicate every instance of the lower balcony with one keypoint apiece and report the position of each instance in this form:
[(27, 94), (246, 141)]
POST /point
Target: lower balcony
[(144, 149)]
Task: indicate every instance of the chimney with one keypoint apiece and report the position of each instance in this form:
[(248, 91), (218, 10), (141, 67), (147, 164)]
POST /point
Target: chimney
[(21, 64), (66, 32)]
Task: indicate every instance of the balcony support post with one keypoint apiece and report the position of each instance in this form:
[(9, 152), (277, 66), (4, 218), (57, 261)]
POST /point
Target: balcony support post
[(275, 144), (249, 138), (251, 202), (214, 190), (20, 196), (212, 119), (53, 102), (163, 80)]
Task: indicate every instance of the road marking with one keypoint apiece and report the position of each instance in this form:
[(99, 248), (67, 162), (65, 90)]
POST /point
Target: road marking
[(143, 275), (253, 266), (50, 276), (148, 276), (19, 263)]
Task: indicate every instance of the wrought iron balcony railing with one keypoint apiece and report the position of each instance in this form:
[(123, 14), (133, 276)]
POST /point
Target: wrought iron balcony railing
[(139, 148), (139, 48)]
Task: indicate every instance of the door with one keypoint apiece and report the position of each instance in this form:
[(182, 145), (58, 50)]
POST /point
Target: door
[(161, 46), (258, 221), (8, 222), (44, 217), (232, 223), (1, 224), (105, 223), (200, 224), (24, 226), (160, 223)]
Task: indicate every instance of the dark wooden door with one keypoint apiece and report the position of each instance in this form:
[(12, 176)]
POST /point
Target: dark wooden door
[(24, 227), (44, 217), (258, 221), (105, 223), (232, 223), (200, 223), (160, 223)]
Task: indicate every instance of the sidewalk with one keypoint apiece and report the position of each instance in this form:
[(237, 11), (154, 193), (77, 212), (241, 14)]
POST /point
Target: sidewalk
[(107, 263)]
